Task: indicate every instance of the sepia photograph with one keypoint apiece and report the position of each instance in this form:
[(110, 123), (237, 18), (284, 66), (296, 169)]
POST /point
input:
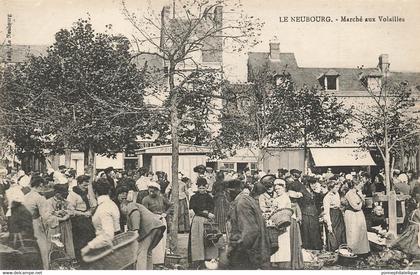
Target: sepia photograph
[(209, 135)]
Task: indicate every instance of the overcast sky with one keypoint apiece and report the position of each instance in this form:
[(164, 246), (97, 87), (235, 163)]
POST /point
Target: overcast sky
[(314, 44)]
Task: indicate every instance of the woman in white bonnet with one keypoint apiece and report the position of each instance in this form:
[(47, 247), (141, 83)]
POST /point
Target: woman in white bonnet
[(289, 255)]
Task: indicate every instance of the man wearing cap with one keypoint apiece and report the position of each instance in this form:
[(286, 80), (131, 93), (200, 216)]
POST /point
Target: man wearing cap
[(281, 173), (294, 185), (161, 207), (265, 200), (249, 245)]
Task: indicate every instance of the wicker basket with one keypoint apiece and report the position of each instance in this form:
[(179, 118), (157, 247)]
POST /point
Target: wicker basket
[(173, 259), (59, 260), (122, 255), (282, 217), (345, 260)]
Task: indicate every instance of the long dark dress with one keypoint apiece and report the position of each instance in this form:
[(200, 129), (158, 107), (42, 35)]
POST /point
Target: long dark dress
[(335, 218), (221, 205), (82, 226), (20, 222), (310, 228), (408, 242), (249, 244), (197, 251)]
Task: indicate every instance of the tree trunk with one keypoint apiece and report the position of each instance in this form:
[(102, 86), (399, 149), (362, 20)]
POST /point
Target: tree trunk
[(173, 233), (392, 205), (92, 172), (305, 155), (260, 160)]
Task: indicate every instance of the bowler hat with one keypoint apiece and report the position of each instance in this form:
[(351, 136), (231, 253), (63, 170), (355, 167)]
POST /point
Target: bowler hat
[(295, 171), (200, 168)]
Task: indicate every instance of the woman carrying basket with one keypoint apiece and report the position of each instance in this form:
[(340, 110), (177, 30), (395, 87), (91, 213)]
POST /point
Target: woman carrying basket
[(202, 204), (289, 255)]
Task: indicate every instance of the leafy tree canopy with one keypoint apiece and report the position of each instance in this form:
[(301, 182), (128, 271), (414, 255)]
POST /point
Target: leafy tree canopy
[(74, 96)]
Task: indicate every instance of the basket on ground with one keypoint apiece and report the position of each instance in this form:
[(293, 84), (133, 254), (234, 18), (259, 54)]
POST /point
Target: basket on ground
[(282, 217), (121, 255), (173, 259), (346, 256)]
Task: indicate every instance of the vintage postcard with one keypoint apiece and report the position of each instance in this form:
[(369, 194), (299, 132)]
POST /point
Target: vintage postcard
[(209, 135)]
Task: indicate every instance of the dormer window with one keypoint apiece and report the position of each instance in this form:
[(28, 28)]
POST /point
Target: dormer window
[(329, 80), (331, 83)]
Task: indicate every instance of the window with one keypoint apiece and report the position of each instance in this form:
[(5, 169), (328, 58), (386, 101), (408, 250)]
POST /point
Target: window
[(228, 166), (253, 166), (331, 82)]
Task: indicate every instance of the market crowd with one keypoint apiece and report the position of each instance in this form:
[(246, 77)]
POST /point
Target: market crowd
[(246, 220)]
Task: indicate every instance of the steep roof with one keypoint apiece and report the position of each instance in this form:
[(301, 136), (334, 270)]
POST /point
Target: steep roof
[(349, 78), (259, 60)]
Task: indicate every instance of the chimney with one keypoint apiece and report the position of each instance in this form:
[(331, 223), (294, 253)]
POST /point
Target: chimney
[(165, 17), (218, 16), (275, 51), (383, 63)]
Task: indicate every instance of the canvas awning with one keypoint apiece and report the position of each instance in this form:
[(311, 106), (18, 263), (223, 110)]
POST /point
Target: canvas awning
[(341, 157)]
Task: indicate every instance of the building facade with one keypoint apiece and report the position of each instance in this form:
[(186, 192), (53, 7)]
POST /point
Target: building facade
[(347, 84)]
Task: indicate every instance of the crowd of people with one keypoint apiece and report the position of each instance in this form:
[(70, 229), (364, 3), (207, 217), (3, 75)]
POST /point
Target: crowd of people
[(268, 220)]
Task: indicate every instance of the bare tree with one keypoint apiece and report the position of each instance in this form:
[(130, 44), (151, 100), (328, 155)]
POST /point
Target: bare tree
[(190, 37), (389, 124)]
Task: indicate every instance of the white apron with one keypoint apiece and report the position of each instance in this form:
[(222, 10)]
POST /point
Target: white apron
[(158, 253)]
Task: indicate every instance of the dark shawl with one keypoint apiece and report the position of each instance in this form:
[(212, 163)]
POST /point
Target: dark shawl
[(249, 246), (201, 202), (83, 195)]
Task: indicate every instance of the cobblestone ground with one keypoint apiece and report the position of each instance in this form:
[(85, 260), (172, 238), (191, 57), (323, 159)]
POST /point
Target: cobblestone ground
[(183, 251)]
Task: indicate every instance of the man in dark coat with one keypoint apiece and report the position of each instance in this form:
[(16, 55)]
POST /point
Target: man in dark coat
[(249, 245), (110, 176), (309, 204)]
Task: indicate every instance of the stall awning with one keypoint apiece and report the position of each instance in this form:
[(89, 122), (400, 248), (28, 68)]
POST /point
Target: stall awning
[(341, 157)]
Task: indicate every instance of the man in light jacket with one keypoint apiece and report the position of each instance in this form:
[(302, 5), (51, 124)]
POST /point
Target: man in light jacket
[(148, 225)]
